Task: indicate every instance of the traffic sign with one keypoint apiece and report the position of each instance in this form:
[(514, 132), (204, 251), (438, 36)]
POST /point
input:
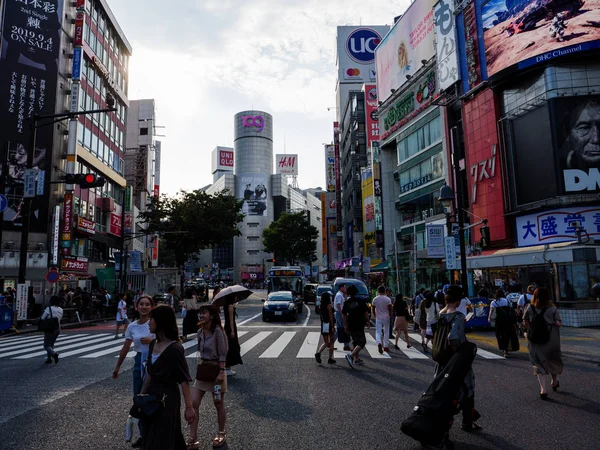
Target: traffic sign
[(3, 202), (52, 276)]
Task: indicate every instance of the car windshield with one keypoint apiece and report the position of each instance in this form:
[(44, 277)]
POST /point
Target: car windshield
[(362, 288), (279, 298), (323, 289), (293, 284)]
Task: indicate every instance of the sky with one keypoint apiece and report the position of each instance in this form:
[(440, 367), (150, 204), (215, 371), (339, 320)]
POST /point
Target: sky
[(205, 60)]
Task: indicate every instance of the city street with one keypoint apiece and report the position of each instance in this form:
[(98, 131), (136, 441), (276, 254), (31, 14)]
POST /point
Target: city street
[(280, 397)]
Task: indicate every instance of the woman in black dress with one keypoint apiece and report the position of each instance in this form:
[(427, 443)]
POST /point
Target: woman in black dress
[(233, 355), (190, 321), (167, 368)]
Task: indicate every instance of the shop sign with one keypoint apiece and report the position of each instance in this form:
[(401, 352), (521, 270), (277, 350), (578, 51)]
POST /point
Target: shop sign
[(254, 122), (76, 72), (450, 252), (330, 168), (67, 222), (79, 24), (128, 222), (445, 43), (483, 170), (416, 183), (71, 264), (128, 190), (21, 304), (435, 241), (558, 225), (55, 233), (286, 164), (115, 225), (86, 226), (74, 101), (472, 47)]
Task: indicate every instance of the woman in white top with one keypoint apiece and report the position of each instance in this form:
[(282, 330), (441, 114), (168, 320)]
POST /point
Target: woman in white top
[(53, 311), (122, 315), (139, 334)]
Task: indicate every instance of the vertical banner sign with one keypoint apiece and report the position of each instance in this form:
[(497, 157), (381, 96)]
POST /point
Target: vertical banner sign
[(330, 168), (76, 75), (445, 43), (74, 101), (21, 306), (472, 47), (28, 79), (128, 198), (372, 121), (41, 179), (435, 241), (29, 183), (78, 35), (67, 223), (376, 164), (55, 234), (338, 188), (450, 252)]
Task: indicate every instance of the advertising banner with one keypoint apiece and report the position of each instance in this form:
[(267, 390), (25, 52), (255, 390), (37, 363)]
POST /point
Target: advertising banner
[(252, 187), (530, 31), (67, 223), (72, 264), (356, 52), (473, 77), (76, 75), (338, 188), (225, 159), (331, 206), (435, 241), (371, 119), (330, 168), (128, 222), (55, 234), (86, 226), (286, 164), (368, 204), (445, 44), (21, 301), (558, 225), (408, 43), (135, 261), (115, 225), (576, 124), (79, 25), (30, 51)]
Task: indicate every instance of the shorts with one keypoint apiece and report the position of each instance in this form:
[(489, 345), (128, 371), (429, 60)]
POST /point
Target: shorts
[(122, 322), (358, 338)]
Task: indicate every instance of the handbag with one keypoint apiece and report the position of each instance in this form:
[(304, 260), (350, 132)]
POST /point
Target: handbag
[(207, 370), (48, 325), (325, 327), (146, 406)]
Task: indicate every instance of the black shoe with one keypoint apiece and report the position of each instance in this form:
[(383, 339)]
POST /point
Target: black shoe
[(55, 356), (544, 396), (48, 361), (331, 361), (139, 443), (471, 428), (555, 387), (318, 357), (396, 347)]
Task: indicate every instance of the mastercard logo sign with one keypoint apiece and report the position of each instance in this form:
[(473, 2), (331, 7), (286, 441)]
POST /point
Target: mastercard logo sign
[(353, 72)]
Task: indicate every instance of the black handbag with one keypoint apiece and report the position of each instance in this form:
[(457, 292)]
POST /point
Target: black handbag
[(146, 406), (48, 325)]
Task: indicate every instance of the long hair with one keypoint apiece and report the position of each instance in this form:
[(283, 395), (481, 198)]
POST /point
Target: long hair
[(166, 323), (215, 321), (500, 294), (541, 298)]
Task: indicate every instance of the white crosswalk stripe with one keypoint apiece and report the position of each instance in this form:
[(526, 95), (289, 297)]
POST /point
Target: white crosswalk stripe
[(279, 344)]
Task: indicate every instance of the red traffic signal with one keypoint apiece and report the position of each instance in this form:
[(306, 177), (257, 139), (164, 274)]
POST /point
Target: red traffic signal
[(85, 181)]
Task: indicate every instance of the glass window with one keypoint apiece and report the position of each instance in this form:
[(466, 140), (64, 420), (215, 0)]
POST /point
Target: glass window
[(426, 135), (106, 151), (94, 147), (80, 133), (88, 138), (404, 178), (86, 32), (435, 129), (412, 145), (415, 172), (426, 167), (100, 150), (98, 83), (420, 139), (95, 107), (111, 158)]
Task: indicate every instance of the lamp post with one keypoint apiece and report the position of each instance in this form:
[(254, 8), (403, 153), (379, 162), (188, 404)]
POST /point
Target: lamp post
[(361, 248), (447, 201)]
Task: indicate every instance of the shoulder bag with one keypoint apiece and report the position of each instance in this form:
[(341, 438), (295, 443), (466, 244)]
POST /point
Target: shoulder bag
[(49, 324), (146, 406), (208, 369)]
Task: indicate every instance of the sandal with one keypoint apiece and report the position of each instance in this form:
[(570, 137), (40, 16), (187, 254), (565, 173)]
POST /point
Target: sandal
[(193, 444), (220, 439)]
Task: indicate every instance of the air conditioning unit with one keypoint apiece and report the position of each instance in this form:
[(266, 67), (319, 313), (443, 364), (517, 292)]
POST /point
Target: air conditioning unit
[(108, 204)]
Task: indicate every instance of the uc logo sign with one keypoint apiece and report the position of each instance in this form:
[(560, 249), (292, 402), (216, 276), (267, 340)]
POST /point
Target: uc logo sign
[(254, 121), (361, 44)]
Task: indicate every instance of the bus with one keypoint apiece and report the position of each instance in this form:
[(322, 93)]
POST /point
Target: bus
[(286, 278)]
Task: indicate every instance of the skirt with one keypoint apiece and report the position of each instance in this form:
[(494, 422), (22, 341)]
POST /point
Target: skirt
[(400, 324), (208, 386)]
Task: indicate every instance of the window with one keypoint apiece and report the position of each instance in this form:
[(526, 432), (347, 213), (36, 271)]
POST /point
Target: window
[(94, 148), (88, 138), (111, 158), (429, 134), (100, 150), (106, 152), (80, 133), (143, 131)]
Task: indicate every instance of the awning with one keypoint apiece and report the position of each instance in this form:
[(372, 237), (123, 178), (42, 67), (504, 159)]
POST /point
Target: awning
[(379, 267)]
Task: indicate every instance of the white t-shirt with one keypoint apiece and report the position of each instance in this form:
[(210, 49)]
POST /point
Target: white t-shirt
[(513, 297), (121, 311), (381, 304), (499, 303), (522, 300), (432, 313), (463, 306), (135, 332), (57, 313), (338, 300)]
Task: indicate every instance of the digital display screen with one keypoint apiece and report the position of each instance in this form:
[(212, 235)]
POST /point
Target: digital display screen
[(285, 273)]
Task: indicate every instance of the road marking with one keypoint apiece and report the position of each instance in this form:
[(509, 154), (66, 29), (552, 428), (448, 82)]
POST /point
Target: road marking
[(69, 340), (307, 317), (283, 325), (248, 320), (412, 352), (9, 342), (488, 355), (371, 347), (309, 346), (37, 342), (85, 341), (279, 345), (253, 342)]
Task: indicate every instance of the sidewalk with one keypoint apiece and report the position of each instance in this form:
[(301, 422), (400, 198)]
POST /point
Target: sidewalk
[(582, 344)]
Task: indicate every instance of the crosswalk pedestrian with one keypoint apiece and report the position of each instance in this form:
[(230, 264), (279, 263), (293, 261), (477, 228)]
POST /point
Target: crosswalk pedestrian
[(258, 344)]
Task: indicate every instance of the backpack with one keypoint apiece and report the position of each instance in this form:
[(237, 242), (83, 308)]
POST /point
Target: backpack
[(439, 297), (539, 330), (440, 348)]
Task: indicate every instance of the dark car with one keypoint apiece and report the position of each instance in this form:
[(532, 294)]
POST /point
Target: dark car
[(363, 291), (281, 305), (310, 293), (322, 288)]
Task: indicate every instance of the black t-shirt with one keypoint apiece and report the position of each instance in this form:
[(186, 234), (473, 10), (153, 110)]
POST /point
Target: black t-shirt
[(324, 311), (400, 308), (355, 309)]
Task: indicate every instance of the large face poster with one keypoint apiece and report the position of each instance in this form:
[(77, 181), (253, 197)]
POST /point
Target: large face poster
[(577, 127), (28, 78), (527, 32), (252, 188)]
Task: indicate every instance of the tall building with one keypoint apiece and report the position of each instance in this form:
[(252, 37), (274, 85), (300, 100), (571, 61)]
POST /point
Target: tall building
[(82, 58)]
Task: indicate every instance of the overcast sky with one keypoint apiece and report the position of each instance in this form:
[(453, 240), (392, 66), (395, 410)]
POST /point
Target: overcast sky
[(205, 60)]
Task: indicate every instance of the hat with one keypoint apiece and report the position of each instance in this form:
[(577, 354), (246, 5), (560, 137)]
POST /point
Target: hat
[(530, 289)]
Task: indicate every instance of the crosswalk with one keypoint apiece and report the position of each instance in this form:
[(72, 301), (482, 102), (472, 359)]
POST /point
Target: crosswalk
[(253, 344)]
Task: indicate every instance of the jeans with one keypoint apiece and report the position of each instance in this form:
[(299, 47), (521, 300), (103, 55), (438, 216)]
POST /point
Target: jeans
[(49, 340), (339, 324), (382, 325), (138, 382)]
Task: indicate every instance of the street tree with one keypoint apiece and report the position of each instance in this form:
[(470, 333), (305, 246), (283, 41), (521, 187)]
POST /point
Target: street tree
[(193, 221), (292, 238)]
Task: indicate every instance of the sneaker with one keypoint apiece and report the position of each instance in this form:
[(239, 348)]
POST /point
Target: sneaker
[(116, 336), (318, 357), (380, 348), (359, 361), (471, 428), (229, 372), (349, 360), (386, 349), (55, 356), (331, 361)]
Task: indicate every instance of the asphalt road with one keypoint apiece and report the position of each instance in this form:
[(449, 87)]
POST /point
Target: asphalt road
[(280, 399)]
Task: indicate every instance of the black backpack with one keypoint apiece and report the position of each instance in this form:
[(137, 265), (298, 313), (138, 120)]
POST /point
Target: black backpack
[(440, 348), (539, 330)]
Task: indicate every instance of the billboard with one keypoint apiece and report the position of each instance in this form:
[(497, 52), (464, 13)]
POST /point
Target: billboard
[(408, 43), (372, 121), (252, 187), (222, 159), (445, 44), (356, 52), (30, 50), (525, 33), (330, 168), (368, 205), (576, 123), (286, 164)]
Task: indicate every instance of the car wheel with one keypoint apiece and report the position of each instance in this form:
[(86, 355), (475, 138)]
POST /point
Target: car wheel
[(265, 318)]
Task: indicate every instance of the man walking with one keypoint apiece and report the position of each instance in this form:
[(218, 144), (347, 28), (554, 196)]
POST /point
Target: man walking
[(338, 304), (382, 310), (416, 304), (355, 313)]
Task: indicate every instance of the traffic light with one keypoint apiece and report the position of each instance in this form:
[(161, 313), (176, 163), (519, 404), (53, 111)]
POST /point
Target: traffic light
[(485, 236), (85, 180)]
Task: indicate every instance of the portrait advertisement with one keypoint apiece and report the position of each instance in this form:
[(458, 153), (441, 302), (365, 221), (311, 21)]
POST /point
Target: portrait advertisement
[(577, 135), (252, 188)]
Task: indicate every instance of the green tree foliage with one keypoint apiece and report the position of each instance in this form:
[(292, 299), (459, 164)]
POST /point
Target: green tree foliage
[(292, 238), (192, 221)]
